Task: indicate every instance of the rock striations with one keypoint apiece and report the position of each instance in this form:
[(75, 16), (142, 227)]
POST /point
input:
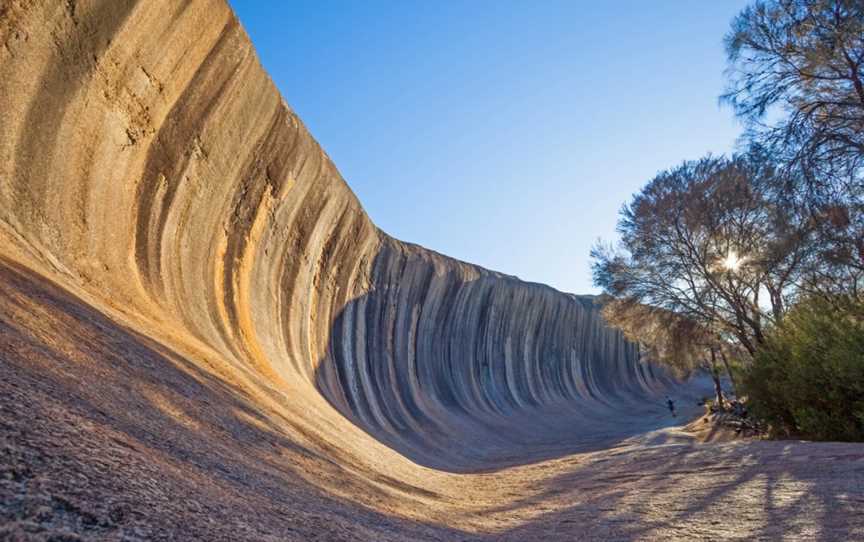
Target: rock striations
[(148, 163), (204, 337)]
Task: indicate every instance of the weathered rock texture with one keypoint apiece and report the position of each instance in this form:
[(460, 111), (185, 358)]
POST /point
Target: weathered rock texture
[(148, 160), (203, 336)]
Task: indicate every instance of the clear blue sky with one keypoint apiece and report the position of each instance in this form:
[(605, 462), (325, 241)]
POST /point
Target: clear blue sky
[(505, 133)]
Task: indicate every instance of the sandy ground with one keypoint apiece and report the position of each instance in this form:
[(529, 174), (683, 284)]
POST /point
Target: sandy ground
[(106, 435)]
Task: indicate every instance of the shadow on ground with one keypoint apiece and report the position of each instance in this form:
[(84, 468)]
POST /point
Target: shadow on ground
[(108, 435), (435, 387)]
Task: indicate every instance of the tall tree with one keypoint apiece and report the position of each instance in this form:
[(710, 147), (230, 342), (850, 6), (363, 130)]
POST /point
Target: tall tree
[(796, 77), (709, 242)]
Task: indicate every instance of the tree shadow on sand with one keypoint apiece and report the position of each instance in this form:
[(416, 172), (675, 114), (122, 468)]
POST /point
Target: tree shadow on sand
[(748, 490)]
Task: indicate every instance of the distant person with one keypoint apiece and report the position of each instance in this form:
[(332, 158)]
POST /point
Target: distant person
[(671, 404)]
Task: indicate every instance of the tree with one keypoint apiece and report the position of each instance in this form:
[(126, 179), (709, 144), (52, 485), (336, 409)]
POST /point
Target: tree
[(796, 77), (664, 337), (710, 243)]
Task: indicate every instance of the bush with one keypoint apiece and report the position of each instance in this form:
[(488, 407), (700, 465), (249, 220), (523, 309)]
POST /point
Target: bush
[(807, 381)]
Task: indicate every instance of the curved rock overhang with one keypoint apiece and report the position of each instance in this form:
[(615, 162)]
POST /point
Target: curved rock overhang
[(149, 164)]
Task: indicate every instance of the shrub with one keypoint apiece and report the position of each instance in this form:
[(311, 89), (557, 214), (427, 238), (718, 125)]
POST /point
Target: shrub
[(807, 380)]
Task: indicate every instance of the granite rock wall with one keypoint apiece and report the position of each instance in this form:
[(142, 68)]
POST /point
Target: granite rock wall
[(148, 162)]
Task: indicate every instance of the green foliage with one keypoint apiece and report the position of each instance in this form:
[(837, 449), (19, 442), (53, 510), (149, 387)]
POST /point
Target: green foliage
[(808, 378)]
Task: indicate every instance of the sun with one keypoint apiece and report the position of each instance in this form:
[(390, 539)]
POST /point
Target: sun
[(732, 262)]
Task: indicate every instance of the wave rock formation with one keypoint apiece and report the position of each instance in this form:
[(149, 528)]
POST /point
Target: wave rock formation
[(148, 160), (151, 171)]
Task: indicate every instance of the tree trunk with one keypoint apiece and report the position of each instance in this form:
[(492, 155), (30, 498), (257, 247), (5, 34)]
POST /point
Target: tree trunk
[(729, 372), (715, 375)]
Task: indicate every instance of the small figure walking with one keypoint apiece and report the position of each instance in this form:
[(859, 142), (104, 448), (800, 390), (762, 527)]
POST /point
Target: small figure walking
[(671, 404)]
